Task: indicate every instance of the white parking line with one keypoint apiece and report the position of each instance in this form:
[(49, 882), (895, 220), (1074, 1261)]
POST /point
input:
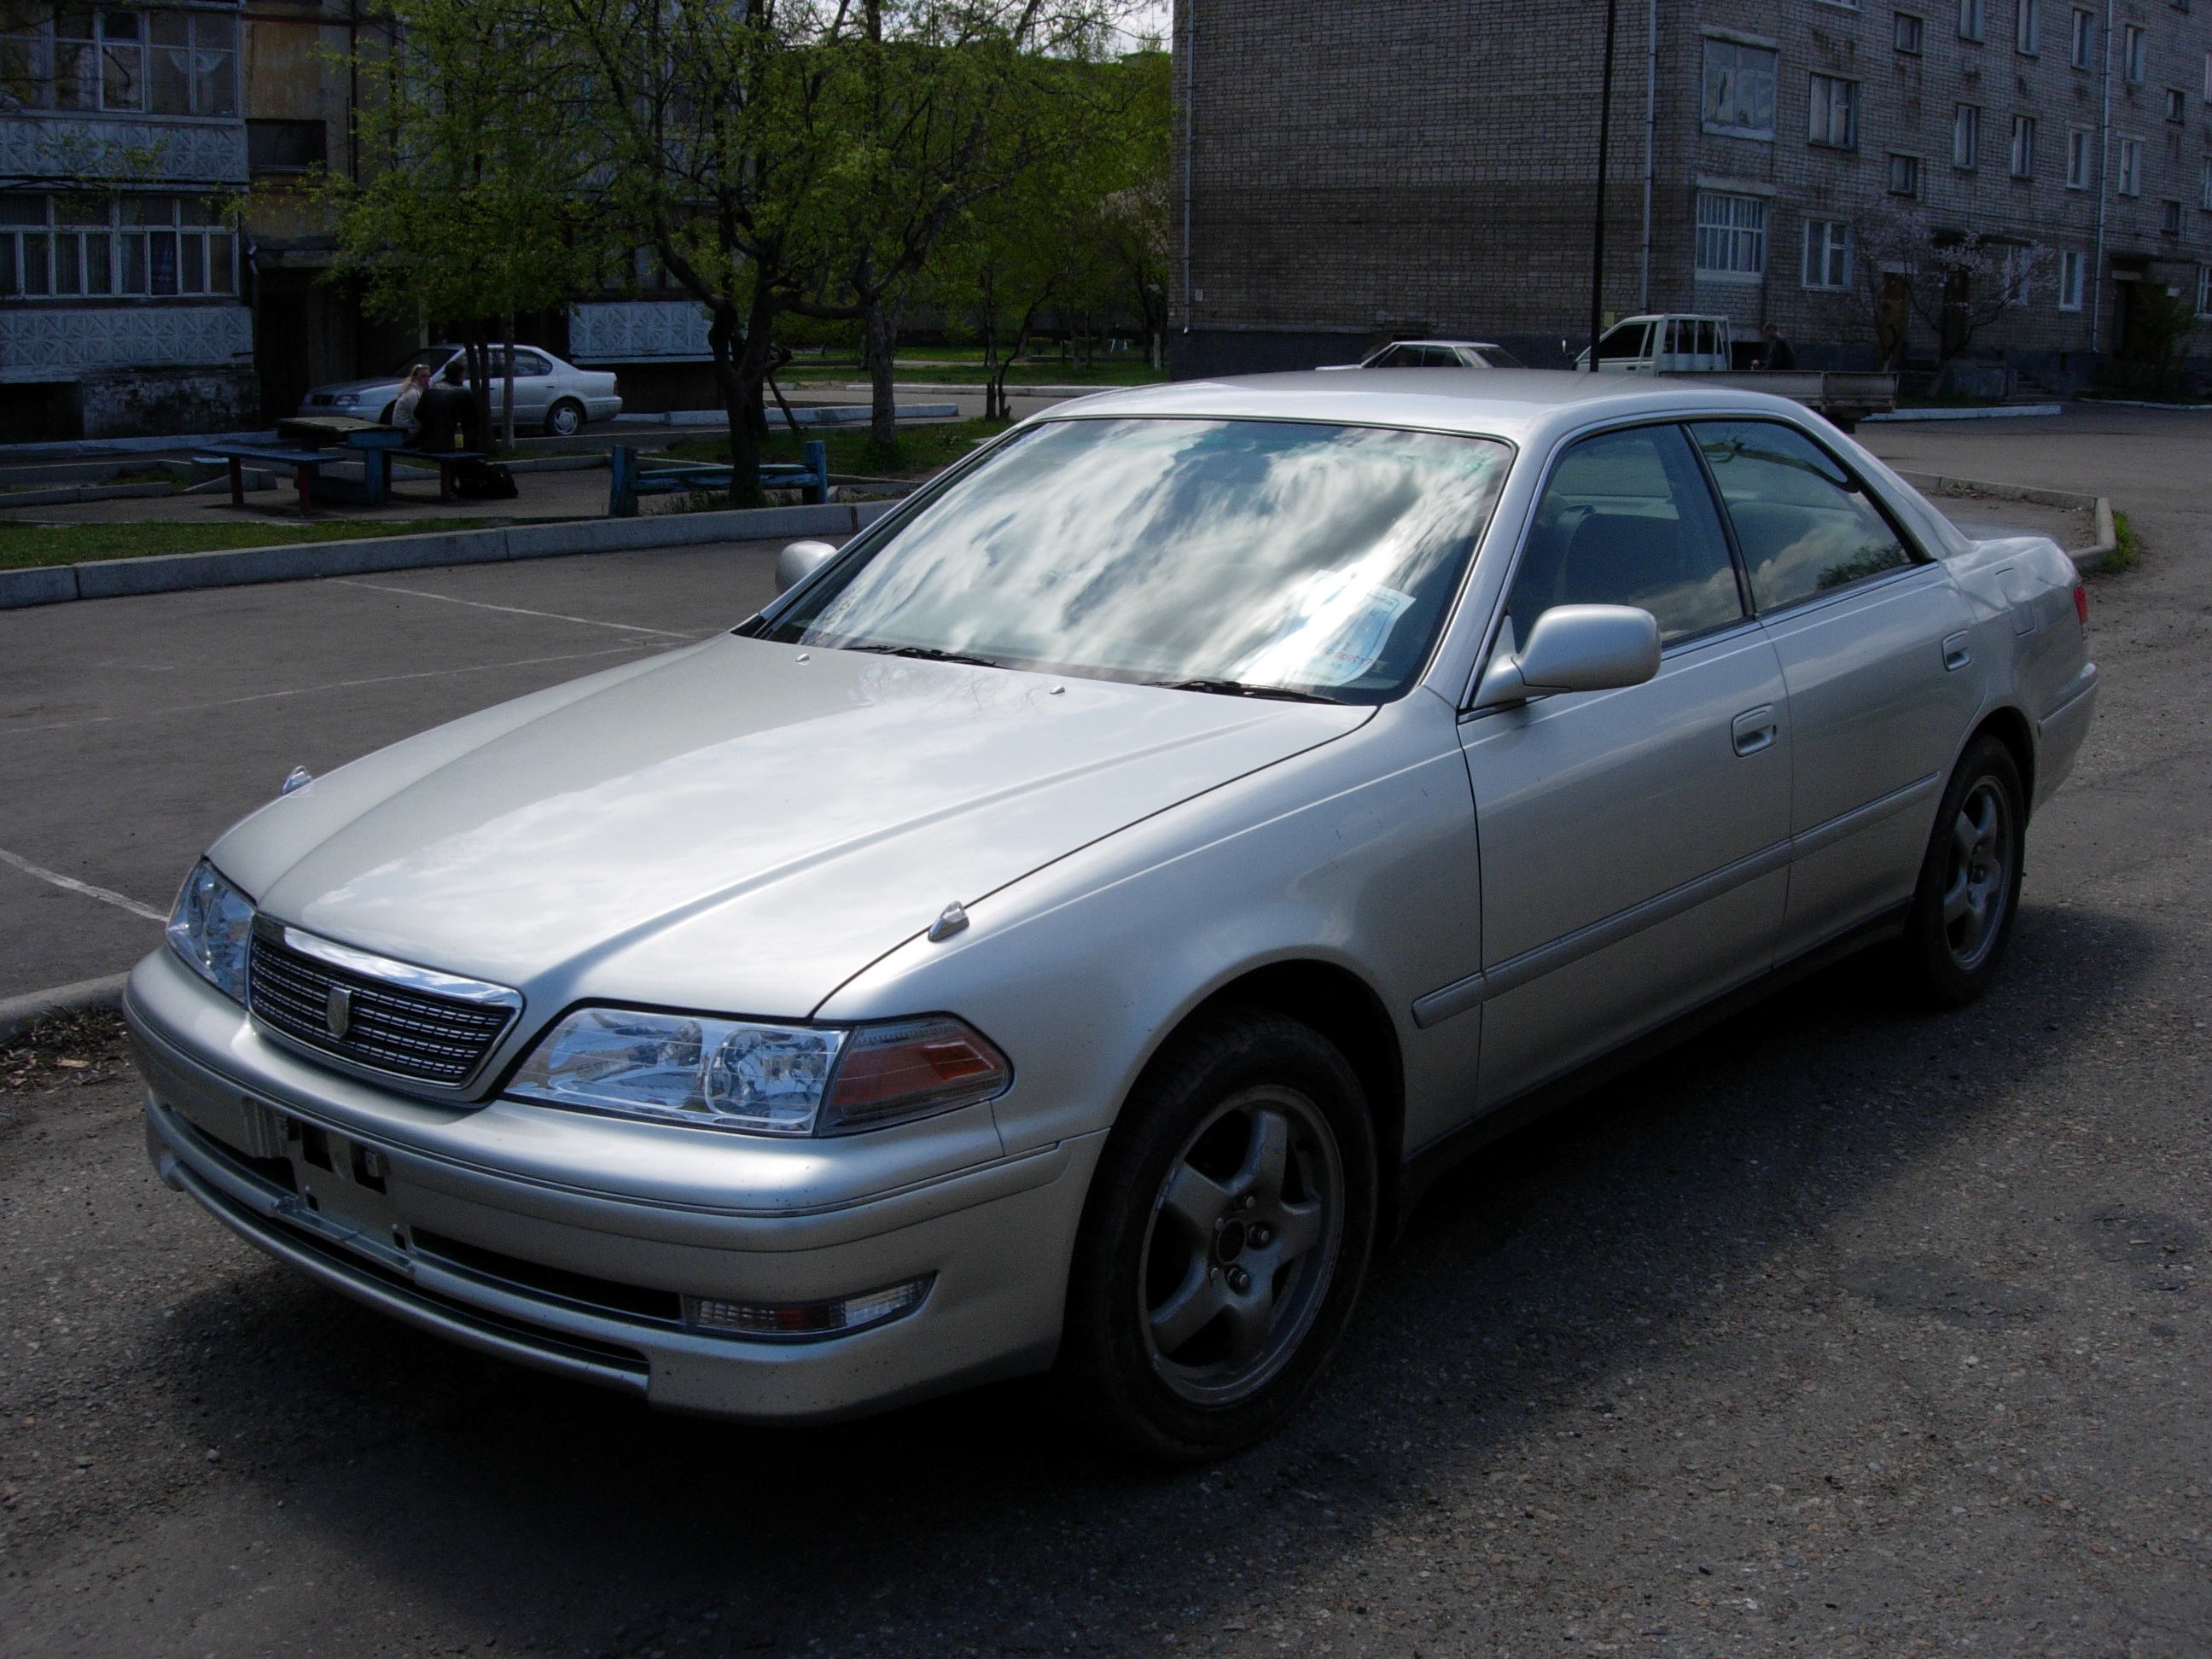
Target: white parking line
[(333, 685), (513, 610), (84, 887)]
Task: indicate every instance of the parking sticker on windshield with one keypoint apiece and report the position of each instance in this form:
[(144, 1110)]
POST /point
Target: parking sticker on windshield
[(1337, 634)]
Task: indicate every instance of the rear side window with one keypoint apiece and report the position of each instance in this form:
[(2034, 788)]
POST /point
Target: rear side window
[(1806, 526), (1627, 519)]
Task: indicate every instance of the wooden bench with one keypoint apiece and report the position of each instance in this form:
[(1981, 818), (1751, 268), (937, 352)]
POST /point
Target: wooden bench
[(445, 461), (633, 478)]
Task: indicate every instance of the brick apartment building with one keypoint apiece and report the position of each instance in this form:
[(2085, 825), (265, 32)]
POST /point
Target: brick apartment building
[(1409, 167)]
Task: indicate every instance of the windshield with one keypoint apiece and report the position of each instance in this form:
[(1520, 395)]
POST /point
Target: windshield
[(1287, 558)]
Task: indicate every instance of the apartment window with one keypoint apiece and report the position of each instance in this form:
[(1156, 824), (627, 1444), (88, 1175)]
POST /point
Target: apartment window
[(1905, 175), (2204, 189), (1739, 90), (73, 58), (2013, 275), (2130, 166), (99, 247), (1731, 235), (2082, 53), (2175, 110), (1973, 21), (285, 146), (2169, 219), (1909, 30), (2204, 290), (2027, 29), (2072, 270), (2135, 52), (2023, 147), (1966, 136), (1827, 254), (2079, 157), (1834, 117), (2208, 78)]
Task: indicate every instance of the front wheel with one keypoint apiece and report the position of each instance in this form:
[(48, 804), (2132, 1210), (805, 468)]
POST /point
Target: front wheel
[(1962, 911), (565, 419), (1224, 1241)]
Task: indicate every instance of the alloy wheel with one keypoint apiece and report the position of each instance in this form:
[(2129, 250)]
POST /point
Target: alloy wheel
[(1241, 1246), (1977, 885)]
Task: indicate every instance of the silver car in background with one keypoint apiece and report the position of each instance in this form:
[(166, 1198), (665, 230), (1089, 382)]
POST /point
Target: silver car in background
[(1434, 353), (1071, 924), (549, 395)]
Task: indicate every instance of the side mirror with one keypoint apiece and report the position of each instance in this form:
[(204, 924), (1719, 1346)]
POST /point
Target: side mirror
[(798, 560), (1575, 647)]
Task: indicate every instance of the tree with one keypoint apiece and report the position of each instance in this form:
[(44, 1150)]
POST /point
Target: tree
[(474, 209), (1957, 283)]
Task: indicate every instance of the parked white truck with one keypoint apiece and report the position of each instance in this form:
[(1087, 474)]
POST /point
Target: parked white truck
[(1682, 342)]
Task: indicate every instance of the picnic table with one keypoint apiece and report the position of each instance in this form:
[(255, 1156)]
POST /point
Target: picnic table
[(631, 476), (375, 446), (304, 464)]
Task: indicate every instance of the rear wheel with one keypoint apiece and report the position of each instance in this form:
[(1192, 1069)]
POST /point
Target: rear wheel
[(1962, 911), (1224, 1241), (565, 419)]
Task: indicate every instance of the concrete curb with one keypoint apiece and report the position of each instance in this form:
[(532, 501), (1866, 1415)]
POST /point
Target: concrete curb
[(69, 495), (183, 443), (2003, 411), (2087, 558), (19, 1014), (169, 573)]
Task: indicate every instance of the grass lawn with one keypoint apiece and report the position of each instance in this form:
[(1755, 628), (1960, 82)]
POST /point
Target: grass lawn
[(921, 450), (23, 545)]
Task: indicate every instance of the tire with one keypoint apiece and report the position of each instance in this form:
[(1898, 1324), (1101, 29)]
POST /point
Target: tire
[(1224, 1243), (565, 419), (1962, 914)]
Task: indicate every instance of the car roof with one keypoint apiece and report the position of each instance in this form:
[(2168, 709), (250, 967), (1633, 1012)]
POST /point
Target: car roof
[(1483, 345), (1520, 404)]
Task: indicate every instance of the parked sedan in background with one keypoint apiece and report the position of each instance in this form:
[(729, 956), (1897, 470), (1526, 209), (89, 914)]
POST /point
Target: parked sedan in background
[(1435, 354), (1070, 924), (548, 394)]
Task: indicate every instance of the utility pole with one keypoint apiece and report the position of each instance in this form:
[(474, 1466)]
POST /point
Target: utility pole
[(1597, 232)]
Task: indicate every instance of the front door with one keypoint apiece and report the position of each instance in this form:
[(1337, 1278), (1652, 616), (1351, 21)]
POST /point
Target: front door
[(1633, 843), (1875, 649)]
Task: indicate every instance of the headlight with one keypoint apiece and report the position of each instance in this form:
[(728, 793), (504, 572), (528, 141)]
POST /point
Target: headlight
[(763, 1079), (210, 927), (346, 399)]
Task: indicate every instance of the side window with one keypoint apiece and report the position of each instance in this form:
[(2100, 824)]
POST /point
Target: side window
[(1627, 518), (529, 364), (1627, 340), (1399, 357), (1806, 526)]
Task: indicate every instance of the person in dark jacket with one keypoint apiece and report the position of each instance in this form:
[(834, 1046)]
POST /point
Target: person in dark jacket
[(1776, 354), (448, 412)]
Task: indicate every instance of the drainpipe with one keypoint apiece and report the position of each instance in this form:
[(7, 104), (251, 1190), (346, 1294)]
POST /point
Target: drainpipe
[(1650, 131), (1190, 140), (2104, 170)]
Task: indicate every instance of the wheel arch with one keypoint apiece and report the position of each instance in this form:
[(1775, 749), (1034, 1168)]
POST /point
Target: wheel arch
[(2010, 728), (1343, 1008)]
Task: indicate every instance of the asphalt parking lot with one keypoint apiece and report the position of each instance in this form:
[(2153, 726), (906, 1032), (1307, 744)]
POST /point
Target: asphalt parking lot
[(1844, 1329)]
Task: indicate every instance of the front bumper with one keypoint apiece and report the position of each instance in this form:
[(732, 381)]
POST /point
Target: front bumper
[(384, 1198)]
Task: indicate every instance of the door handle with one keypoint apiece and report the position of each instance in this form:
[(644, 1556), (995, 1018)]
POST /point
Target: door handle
[(1956, 653), (1754, 729)]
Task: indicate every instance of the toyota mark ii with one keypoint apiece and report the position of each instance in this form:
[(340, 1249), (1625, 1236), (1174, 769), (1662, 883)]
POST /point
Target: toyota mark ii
[(1068, 926)]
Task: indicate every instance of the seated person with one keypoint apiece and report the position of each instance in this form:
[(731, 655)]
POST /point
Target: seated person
[(403, 406), (447, 415)]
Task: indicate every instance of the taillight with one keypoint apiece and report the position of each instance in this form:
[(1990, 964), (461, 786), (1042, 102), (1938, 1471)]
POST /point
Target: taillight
[(2082, 606)]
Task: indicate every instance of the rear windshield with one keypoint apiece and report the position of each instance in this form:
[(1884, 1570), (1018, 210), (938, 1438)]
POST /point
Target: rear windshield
[(1288, 557)]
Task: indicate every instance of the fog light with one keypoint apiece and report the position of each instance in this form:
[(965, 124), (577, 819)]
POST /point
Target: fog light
[(795, 1321)]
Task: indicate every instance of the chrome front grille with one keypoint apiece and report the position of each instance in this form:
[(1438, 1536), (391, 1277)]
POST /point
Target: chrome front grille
[(333, 999)]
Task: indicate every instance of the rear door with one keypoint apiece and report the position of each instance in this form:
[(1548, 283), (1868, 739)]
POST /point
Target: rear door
[(1633, 843), (1872, 642)]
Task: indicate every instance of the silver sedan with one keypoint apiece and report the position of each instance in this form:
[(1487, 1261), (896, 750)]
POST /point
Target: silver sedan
[(555, 397), (1072, 924)]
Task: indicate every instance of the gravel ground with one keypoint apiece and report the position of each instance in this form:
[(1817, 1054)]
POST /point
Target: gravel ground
[(1844, 1329)]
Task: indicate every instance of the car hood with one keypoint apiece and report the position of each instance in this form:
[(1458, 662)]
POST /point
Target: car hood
[(734, 826)]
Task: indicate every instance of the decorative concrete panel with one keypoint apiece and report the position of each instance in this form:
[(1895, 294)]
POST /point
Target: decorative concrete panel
[(55, 344), (639, 331), (55, 150)]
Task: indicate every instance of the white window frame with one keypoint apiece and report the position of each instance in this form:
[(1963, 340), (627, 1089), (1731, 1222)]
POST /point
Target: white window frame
[(2023, 147), (2081, 50), (130, 238), (2081, 155), (2204, 290), (2072, 278), (1913, 168), (206, 63), (2130, 169), (1828, 98), (1966, 137), (2013, 275), (2204, 188), (1749, 75), (2027, 29), (2169, 217), (2134, 56), (1731, 237), (1905, 23), (1827, 257), (1973, 19)]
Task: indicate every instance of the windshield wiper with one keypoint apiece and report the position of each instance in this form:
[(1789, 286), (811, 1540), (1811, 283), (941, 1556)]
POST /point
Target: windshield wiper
[(1239, 689), (926, 653)]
